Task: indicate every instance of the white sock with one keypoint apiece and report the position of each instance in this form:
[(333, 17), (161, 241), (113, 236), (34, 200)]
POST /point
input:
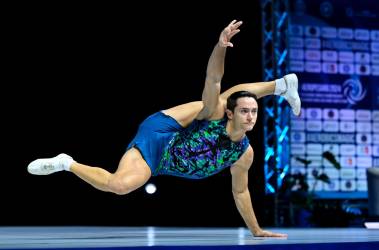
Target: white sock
[(280, 86), (67, 163)]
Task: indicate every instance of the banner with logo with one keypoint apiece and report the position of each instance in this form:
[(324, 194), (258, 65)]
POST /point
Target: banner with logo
[(334, 50)]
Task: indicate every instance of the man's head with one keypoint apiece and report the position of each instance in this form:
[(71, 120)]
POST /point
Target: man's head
[(242, 110)]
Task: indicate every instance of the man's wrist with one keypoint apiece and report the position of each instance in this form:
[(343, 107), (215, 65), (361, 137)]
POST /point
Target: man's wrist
[(255, 229)]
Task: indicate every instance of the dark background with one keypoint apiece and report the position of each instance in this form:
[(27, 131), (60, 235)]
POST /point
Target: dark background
[(81, 78)]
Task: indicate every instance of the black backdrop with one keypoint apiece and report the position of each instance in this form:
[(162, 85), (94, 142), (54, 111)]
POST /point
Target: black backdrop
[(81, 79)]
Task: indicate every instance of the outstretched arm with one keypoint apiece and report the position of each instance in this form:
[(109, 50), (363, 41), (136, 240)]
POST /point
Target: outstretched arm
[(241, 195), (215, 71)]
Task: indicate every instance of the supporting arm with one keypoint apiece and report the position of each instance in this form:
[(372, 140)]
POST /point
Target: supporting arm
[(242, 197)]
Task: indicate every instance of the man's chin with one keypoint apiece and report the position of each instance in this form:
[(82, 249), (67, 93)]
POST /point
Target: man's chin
[(249, 127)]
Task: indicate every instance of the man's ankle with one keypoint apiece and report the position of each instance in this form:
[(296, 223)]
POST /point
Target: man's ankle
[(280, 86), (67, 164)]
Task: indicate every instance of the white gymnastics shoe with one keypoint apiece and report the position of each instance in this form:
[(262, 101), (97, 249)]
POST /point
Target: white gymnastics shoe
[(50, 165), (291, 94)]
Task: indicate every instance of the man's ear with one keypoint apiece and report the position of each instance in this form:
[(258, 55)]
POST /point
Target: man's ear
[(229, 113)]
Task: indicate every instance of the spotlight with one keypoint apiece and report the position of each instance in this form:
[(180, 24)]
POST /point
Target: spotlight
[(150, 188)]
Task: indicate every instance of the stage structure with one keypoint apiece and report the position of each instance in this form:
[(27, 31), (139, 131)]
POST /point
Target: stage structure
[(277, 111)]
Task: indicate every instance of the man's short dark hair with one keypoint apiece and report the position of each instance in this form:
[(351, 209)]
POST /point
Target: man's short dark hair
[(231, 102)]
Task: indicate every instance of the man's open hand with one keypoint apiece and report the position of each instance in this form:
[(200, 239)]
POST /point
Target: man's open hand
[(228, 33)]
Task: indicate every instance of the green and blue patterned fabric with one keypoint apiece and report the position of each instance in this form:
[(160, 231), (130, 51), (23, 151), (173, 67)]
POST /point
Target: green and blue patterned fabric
[(200, 150)]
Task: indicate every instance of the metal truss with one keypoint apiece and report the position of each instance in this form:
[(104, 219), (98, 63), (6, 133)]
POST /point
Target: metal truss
[(277, 112)]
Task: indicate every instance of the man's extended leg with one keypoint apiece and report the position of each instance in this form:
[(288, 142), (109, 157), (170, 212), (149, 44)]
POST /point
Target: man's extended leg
[(286, 87), (260, 89), (131, 174)]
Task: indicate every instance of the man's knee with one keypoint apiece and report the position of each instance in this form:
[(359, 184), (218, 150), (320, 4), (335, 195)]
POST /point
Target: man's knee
[(132, 173), (124, 184), (119, 186)]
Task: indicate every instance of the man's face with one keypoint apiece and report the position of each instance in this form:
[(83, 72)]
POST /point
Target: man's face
[(245, 113)]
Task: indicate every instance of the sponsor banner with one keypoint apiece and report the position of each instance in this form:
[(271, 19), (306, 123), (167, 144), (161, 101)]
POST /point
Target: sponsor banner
[(334, 50)]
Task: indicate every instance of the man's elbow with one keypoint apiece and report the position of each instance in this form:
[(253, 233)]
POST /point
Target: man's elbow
[(239, 191)]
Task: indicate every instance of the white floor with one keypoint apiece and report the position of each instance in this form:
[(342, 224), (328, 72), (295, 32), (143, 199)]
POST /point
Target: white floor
[(85, 237)]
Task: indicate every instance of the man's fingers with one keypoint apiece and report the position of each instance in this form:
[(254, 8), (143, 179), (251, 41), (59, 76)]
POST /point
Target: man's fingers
[(236, 25), (277, 235), (232, 22), (281, 235), (271, 234)]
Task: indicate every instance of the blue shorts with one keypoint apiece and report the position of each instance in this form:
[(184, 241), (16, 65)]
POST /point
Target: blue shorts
[(153, 134)]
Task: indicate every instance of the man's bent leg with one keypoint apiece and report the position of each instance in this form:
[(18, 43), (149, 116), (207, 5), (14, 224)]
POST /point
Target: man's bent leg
[(132, 171), (131, 174), (95, 176)]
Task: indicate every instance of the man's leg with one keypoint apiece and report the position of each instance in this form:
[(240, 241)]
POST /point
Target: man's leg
[(184, 114), (286, 87), (260, 89), (132, 172)]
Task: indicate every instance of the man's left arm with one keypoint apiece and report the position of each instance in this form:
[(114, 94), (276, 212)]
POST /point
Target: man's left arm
[(215, 72), (242, 197)]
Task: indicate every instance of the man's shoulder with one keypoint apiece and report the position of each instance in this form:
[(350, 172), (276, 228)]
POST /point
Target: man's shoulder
[(249, 152), (246, 158)]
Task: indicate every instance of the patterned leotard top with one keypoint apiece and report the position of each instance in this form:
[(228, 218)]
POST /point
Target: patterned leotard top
[(200, 150)]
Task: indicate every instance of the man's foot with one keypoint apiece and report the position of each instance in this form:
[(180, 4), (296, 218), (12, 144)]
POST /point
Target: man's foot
[(50, 165), (292, 94)]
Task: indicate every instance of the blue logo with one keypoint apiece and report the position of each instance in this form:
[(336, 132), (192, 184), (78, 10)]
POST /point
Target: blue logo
[(353, 91)]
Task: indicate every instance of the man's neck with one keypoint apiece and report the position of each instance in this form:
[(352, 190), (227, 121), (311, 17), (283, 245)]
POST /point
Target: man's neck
[(235, 135)]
